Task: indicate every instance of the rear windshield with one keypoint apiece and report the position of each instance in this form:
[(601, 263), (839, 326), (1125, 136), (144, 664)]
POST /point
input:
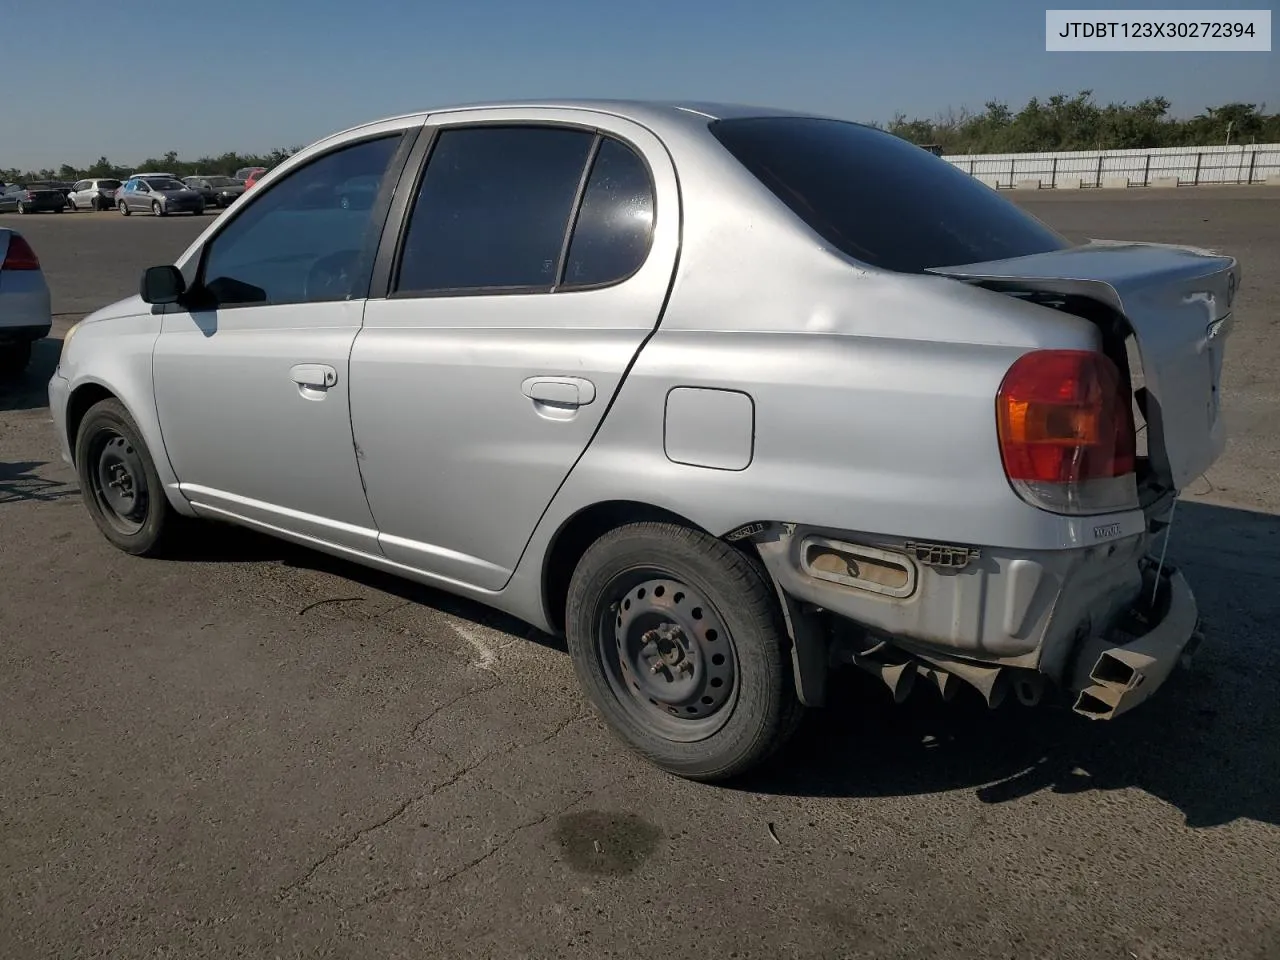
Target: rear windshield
[(880, 199), (159, 184), (108, 184)]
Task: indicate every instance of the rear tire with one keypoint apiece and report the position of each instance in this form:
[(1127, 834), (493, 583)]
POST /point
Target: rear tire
[(678, 641), (21, 208), (124, 208), (119, 483), (14, 359)]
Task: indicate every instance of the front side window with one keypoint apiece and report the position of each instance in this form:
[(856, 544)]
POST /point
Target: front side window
[(493, 209), (296, 242), (879, 198)]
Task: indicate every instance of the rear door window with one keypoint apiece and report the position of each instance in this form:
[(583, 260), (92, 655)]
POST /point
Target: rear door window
[(493, 209), (880, 199), (614, 228)]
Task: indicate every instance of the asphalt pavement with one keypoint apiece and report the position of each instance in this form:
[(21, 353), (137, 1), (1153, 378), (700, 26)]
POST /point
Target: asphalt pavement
[(256, 751)]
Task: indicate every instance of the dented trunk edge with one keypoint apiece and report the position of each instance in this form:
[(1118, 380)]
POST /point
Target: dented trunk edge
[(999, 621)]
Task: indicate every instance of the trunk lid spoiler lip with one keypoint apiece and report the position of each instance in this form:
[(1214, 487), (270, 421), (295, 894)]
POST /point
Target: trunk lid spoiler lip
[(1101, 269), (1176, 300)]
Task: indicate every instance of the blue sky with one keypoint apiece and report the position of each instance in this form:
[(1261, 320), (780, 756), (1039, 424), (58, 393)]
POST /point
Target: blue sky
[(235, 75)]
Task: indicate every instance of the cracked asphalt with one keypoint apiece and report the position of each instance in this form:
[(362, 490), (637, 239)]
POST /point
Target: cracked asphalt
[(254, 751)]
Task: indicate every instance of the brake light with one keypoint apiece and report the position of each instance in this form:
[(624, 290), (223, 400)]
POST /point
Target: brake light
[(1065, 425), (20, 256)]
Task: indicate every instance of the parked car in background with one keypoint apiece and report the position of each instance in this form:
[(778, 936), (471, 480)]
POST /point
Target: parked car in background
[(254, 177), (95, 193), (244, 173), (160, 195), (153, 173), (217, 191), (25, 310), (725, 395), (32, 198)]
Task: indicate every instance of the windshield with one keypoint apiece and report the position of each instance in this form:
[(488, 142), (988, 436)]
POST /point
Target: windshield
[(159, 184), (879, 198)]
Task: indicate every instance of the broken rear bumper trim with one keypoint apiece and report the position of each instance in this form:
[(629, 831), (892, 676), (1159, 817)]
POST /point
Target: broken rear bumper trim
[(1114, 673)]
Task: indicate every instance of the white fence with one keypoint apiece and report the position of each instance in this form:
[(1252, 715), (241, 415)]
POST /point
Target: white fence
[(1244, 163)]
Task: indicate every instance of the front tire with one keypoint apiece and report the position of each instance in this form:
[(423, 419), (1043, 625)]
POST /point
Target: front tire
[(21, 208), (156, 209), (679, 643), (119, 483)]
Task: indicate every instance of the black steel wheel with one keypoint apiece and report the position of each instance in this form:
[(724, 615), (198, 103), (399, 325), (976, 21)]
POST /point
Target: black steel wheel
[(119, 483), (667, 656), (679, 643)]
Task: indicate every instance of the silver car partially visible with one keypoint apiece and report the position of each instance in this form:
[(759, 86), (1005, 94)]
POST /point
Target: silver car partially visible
[(724, 395), (158, 195), (25, 307)]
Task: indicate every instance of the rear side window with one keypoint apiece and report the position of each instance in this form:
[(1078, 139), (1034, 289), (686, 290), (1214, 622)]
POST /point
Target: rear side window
[(493, 209), (880, 199), (615, 222)]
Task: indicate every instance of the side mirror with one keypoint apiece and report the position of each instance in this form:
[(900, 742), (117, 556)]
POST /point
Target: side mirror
[(162, 284)]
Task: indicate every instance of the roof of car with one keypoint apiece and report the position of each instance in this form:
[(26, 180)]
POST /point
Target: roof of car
[(647, 112)]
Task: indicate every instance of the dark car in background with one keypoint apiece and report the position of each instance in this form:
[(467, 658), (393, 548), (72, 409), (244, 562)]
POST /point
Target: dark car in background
[(32, 198), (160, 195), (217, 191)]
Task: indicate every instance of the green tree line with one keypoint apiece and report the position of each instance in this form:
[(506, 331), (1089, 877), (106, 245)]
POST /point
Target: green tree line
[(1079, 123), (1060, 122), (225, 165)]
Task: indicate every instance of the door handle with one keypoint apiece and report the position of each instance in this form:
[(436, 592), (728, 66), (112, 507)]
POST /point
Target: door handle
[(317, 376), (560, 391)]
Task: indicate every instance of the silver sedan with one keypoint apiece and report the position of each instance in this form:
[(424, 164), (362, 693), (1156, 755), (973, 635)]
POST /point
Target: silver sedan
[(726, 396)]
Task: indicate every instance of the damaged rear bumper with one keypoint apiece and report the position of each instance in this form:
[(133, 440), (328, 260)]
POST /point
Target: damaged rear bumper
[(1104, 625), (1119, 671)]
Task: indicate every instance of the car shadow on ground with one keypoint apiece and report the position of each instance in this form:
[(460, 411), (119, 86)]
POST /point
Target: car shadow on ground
[(1208, 743), (224, 543), (30, 390), (21, 481)]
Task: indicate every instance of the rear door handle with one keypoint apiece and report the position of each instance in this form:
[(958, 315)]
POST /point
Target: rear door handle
[(315, 376), (560, 391)]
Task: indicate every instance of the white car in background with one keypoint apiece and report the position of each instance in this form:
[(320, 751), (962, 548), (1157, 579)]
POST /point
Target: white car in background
[(25, 312)]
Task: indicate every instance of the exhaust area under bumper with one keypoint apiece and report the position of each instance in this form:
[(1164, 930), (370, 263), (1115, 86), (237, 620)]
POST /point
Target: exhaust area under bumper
[(1119, 671)]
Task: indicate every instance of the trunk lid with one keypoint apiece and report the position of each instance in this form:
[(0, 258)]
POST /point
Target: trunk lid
[(1176, 302)]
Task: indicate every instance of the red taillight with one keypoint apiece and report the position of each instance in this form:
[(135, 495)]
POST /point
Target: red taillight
[(27, 195), (1066, 431), (20, 256)]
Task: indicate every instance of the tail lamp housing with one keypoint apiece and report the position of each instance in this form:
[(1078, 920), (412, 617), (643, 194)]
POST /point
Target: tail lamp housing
[(19, 255), (1065, 424)]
